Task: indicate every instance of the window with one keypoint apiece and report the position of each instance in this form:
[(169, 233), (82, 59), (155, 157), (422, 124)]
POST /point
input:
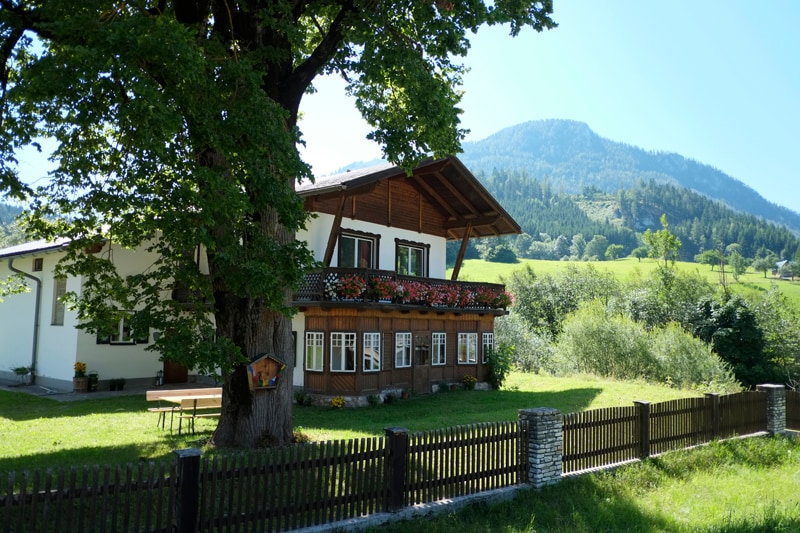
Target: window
[(488, 345), (402, 350), (372, 352), (123, 333), (467, 348), (439, 348), (411, 258), (38, 264), (343, 352), (59, 289), (358, 250), (315, 347)]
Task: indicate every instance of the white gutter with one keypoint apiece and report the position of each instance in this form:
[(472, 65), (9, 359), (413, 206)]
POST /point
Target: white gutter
[(35, 348)]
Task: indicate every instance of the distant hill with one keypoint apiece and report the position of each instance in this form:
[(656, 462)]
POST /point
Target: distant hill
[(9, 233), (573, 158)]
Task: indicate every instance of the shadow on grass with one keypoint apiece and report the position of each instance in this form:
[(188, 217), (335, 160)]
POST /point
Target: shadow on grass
[(442, 410), (19, 406)]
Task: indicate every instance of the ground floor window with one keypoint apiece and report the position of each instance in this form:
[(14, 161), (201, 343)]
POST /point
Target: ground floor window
[(488, 345), (315, 348), (343, 352), (402, 350), (467, 348), (438, 348), (372, 352)]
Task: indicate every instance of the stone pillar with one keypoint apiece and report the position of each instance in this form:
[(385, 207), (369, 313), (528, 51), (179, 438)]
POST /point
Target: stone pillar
[(545, 445), (776, 408)]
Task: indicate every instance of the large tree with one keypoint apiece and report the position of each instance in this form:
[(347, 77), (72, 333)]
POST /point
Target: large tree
[(176, 124)]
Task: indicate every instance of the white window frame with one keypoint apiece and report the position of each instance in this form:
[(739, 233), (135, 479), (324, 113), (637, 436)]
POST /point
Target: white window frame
[(469, 354), (123, 334), (315, 351), (438, 348), (342, 360), (371, 351), (487, 344), (59, 307), (402, 349)]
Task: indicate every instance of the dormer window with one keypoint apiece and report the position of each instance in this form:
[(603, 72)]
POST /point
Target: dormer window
[(358, 249), (412, 258)]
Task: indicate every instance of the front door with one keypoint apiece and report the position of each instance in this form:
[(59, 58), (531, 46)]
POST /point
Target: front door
[(422, 363)]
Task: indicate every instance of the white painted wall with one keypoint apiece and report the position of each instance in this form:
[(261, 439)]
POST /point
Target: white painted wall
[(16, 322), (299, 327), (319, 229)]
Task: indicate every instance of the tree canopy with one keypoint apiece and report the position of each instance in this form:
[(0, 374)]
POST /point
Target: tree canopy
[(176, 128)]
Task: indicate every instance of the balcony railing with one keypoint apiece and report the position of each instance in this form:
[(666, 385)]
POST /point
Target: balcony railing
[(355, 285)]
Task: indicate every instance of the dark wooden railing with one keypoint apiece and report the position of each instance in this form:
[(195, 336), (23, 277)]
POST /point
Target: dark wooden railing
[(358, 286)]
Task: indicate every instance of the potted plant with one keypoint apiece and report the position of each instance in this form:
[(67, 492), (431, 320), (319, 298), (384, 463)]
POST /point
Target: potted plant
[(22, 373), (94, 377), (80, 381)]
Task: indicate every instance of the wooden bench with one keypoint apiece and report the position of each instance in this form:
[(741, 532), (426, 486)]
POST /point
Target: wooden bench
[(189, 408), (160, 394)]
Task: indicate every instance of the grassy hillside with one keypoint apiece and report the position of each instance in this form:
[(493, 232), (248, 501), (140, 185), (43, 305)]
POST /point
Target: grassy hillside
[(477, 270)]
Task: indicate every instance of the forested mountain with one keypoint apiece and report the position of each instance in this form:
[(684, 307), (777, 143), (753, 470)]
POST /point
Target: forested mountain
[(572, 158), (9, 233), (581, 226)]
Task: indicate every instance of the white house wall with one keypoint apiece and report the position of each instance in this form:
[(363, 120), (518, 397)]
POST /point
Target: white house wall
[(299, 329), (319, 230), (16, 323)]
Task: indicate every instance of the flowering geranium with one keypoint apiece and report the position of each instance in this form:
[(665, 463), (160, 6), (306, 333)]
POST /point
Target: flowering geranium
[(80, 369), (351, 286), (387, 288), (503, 300)]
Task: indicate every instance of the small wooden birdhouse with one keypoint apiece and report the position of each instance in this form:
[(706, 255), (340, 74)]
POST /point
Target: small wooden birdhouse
[(265, 371)]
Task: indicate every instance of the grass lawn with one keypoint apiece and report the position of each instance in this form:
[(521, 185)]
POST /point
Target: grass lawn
[(477, 270), (38, 432), (737, 486)]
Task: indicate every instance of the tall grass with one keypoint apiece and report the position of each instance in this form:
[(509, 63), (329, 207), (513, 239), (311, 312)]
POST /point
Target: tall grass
[(736, 486)]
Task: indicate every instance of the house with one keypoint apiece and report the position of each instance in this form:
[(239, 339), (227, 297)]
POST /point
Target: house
[(378, 316)]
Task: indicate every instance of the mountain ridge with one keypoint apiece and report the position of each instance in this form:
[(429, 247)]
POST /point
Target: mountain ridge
[(572, 156)]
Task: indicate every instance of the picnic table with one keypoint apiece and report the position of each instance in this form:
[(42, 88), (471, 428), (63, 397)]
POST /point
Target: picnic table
[(189, 404)]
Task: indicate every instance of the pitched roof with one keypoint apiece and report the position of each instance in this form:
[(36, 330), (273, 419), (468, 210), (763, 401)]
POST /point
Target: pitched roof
[(33, 247), (447, 184)]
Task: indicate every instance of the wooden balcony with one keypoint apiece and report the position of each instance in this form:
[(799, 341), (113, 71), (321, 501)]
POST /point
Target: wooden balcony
[(339, 287)]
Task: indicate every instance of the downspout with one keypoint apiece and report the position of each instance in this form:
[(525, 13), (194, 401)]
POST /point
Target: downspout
[(37, 306)]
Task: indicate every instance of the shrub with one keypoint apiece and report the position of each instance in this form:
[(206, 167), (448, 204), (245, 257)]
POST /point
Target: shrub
[(469, 382), (337, 402), (499, 360), (532, 350), (374, 400)]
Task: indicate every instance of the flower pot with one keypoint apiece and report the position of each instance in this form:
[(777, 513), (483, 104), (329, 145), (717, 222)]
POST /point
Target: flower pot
[(80, 384)]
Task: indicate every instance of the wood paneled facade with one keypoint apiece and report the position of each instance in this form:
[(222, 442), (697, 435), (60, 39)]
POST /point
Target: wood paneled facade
[(421, 375)]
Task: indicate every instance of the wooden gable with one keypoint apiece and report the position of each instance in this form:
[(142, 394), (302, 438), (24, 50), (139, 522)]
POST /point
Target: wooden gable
[(440, 197)]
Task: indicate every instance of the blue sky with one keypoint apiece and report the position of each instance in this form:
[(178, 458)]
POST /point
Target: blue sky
[(716, 81)]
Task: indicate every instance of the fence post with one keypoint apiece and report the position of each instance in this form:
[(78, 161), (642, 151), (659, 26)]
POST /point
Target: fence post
[(644, 428), (397, 441), (713, 397), (187, 498), (545, 445), (776, 408)]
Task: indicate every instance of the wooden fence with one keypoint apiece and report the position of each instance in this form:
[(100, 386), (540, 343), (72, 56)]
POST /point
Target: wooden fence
[(323, 483), (793, 410)]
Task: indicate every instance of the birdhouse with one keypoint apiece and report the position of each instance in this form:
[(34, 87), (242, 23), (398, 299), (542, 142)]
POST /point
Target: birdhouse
[(265, 371)]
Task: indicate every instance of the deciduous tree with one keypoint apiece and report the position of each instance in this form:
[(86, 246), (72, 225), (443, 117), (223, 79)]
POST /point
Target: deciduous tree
[(176, 124)]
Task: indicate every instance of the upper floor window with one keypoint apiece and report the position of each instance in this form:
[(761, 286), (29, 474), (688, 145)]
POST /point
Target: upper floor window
[(402, 350), (467, 348), (314, 350), (59, 289), (343, 352), (358, 249), (38, 264), (411, 258)]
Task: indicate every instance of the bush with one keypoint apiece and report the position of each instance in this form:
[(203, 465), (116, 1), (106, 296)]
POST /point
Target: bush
[(532, 350), (469, 382), (499, 361), (374, 400)]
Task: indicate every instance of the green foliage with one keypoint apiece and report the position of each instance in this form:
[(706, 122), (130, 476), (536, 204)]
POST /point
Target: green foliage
[(615, 346), (709, 257), (499, 362), (532, 350), (613, 251), (640, 252), (501, 254), (544, 301), (732, 330), (664, 245)]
